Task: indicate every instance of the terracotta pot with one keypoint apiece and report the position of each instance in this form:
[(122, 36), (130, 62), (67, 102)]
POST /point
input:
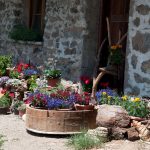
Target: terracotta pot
[(22, 112), (84, 107), (53, 82), (4, 110), (16, 112)]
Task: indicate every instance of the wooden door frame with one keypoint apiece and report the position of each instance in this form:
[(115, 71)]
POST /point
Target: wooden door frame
[(102, 23)]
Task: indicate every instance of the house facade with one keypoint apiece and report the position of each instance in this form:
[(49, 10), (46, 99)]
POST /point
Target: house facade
[(72, 31)]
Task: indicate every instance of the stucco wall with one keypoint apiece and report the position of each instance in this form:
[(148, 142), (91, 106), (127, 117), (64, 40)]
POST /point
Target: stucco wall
[(70, 35), (137, 72)]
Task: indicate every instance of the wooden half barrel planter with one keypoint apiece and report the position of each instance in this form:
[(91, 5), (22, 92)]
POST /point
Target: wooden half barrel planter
[(59, 122)]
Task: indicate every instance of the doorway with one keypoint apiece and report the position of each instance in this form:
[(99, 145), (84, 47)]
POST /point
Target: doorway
[(117, 12)]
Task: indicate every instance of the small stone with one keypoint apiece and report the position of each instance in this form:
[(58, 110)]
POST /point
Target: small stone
[(73, 44), (133, 134), (146, 67), (136, 22), (140, 79), (73, 10), (118, 133), (143, 9), (99, 132), (70, 51), (134, 61), (141, 42)]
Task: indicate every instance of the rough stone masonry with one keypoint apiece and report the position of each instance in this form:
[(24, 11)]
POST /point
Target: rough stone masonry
[(70, 38), (70, 35), (137, 71)]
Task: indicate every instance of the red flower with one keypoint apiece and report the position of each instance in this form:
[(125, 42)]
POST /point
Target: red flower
[(105, 84), (26, 66), (87, 81), (3, 91), (12, 95)]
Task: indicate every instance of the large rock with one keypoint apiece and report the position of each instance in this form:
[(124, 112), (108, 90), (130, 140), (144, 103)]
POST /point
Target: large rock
[(112, 116)]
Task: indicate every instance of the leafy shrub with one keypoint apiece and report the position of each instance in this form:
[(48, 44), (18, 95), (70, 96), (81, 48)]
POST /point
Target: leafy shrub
[(5, 100), (52, 73), (134, 105), (5, 62), (20, 32), (14, 74)]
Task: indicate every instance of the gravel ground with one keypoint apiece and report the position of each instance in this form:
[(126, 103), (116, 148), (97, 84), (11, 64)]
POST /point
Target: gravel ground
[(17, 138)]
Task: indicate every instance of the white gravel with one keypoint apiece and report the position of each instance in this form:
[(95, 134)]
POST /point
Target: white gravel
[(17, 138)]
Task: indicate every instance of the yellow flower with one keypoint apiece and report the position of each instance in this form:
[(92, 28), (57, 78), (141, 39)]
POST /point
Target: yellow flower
[(114, 47), (109, 97), (137, 99), (104, 93), (125, 97), (119, 46)]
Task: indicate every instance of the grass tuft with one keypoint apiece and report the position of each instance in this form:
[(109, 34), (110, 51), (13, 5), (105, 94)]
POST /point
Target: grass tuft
[(84, 141)]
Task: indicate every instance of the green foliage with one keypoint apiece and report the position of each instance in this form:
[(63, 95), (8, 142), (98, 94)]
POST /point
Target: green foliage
[(14, 74), (116, 56), (83, 141), (133, 105), (32, 82), (5, 101), (20, 32), (17, 104), (22, 107), (52, 73), (138, 109), (5, 62)]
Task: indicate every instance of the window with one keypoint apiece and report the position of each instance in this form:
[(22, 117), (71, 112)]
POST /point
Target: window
[(34, 11)]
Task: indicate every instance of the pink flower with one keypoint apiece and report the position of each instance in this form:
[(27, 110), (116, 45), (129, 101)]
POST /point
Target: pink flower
[(87, 81)]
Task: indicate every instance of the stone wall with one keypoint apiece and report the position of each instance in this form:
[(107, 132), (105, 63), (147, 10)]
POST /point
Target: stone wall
[(137, 72), (70, 35)]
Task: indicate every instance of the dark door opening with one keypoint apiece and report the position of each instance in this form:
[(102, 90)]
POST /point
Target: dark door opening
[(118, 13)]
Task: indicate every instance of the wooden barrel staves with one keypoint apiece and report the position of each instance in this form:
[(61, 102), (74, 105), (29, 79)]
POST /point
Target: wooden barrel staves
[(59, 122)]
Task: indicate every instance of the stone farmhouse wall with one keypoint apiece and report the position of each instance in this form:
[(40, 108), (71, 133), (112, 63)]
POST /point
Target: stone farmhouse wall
[(137, 72), (69, 35), (70, 38)]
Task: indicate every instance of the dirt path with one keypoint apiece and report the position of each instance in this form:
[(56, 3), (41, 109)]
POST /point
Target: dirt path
[(13, 128)]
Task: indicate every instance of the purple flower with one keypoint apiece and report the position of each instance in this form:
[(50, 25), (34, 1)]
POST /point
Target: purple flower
[(108, 91), (29, 72)]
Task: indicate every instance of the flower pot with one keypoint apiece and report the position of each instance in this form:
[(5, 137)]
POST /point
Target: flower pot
[(4, 110), (53, 82), (84, 107), (16, 112), (22, 112), (59, 122)]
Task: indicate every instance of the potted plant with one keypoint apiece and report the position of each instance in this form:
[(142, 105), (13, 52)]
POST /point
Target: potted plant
[(15, 106), (53, 77), (5, 103), (83, 102), (22, 110)]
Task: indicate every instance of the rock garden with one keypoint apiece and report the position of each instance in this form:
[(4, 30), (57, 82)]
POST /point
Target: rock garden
[(50, 105)]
